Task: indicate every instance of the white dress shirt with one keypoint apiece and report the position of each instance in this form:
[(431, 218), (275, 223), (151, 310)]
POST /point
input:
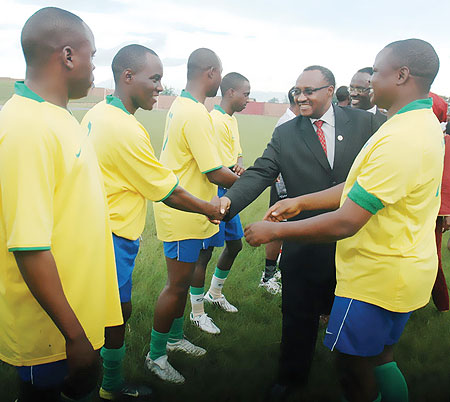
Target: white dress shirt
[(373, 109), (288, 115), (329, 130)]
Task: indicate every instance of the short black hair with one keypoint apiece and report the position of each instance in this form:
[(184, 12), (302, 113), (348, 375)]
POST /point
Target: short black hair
[(130, 56), (419, 56), (231, 80), (291, 97), (342, 93), (201, 60), (327, 74), (366, 70), (45, 30)]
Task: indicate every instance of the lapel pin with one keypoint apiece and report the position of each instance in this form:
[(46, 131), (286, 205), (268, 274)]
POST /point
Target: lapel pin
[(340, 137)]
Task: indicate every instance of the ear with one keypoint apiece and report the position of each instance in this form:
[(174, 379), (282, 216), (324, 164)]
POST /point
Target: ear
[(127, 76), (67, 55), (330, 90), (402, 75), (231, 92), (210, 72)]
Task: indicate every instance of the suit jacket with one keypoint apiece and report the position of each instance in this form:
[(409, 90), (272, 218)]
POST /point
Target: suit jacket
[(296, 153), (380, 118)]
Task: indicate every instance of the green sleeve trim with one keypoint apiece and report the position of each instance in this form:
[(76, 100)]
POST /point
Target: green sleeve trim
[(364, 199), (170, 192), (211, 170), (29, 248)]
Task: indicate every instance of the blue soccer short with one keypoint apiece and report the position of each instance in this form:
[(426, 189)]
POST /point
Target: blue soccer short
[(362, 329), (49, 375), (231, 230), (125, 252), (184, 250)]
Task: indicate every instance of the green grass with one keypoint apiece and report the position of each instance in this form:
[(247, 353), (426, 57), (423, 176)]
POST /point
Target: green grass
[(242, 360)]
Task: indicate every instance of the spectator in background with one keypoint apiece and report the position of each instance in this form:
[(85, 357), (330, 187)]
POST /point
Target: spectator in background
[(361, 94), (343, 96), (440, 291), (270, 277)]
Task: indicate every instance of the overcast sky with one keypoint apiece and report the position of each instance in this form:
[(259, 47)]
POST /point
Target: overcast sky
[(270, 42)]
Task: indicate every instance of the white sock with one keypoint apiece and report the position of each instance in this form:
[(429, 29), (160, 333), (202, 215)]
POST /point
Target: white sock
[(216, 286), (197, 304)]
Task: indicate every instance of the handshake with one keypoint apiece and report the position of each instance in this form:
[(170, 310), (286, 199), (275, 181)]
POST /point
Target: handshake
[(219, 207)]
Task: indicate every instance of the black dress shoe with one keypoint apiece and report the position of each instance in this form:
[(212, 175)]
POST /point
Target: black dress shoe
[(279, 393)]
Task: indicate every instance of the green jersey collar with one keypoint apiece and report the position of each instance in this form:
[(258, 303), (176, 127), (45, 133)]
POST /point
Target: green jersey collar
[(219, 108), (115, 101), (416, 105), (186, 94), (22, 90)]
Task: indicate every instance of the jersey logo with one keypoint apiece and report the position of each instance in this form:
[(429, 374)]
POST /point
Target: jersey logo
[(81, 146)]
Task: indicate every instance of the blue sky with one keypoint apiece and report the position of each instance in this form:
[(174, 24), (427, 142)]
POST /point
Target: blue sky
[(268, 41)]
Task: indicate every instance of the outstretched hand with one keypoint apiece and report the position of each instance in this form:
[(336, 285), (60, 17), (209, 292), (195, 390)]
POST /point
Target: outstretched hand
[(238, 169), (221, 207), (260, 233), (283, 210)]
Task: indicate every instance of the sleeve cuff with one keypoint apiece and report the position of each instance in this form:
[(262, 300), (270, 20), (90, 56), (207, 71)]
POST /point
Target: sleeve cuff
[(170, 192), (364, 199), (211, 170), (12, 249)]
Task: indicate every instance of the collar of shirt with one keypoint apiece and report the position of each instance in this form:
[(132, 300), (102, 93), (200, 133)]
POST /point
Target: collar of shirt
[(373, 109), (328, 117)]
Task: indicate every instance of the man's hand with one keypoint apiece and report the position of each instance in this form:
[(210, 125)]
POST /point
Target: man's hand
[(225, 204), (238, 169), (283, 210), (84, 367), (445, 223), (260, 233), (216, 214)]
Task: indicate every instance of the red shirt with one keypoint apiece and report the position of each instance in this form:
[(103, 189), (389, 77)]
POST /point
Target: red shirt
[(445, 188), (439, 107)]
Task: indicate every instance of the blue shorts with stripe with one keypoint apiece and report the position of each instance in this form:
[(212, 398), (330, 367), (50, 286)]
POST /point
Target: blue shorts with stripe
[(184, 250), (125, 252), (49, 375), (231, 230), (362, 329)]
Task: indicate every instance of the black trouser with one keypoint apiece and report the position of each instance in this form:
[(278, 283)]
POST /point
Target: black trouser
[(303, 301)]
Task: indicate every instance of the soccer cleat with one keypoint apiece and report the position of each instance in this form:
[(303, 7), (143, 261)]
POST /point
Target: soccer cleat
[(128, 392), (277, 276), (221, 302), (163, 369), (205, 323), (271, 285), (183, 345)]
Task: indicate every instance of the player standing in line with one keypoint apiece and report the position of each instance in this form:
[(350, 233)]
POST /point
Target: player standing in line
[(58, 288), (384, 222), (190, 150), (132, 175), (235, 89)]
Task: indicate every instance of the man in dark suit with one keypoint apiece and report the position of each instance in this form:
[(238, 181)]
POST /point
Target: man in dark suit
[(313, 152), (360, 94)]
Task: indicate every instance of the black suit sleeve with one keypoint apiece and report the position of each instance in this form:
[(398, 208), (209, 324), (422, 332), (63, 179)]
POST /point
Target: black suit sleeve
[(256, 178)]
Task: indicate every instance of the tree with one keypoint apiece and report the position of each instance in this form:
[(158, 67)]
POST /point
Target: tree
[(273, 100), (168, 91)]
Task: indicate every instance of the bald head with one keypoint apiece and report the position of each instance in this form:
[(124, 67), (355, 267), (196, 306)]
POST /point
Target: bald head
[(201, 60), (48, 31), (133, 57), (420, 58)]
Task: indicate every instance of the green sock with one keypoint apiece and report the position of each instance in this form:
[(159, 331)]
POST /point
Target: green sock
[(221, 274), (158, 343), (112, 368), (391, 382), (176, 330)]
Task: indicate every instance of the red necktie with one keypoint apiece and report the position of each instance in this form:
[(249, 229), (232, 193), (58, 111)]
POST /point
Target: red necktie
[(321, 135)]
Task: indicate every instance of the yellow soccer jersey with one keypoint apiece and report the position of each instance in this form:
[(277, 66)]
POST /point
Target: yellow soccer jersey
[(227, 134), (52, 198), (190, 150), (131, 172), (392, 262)]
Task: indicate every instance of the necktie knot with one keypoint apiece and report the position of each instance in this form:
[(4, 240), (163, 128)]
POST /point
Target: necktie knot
[(318, 123)]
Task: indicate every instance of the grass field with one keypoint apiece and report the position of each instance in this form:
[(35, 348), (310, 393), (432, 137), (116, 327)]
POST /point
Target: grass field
[(242, 360)]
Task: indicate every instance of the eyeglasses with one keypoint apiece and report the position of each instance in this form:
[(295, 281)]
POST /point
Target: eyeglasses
[(359, 90), (306, 91)]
